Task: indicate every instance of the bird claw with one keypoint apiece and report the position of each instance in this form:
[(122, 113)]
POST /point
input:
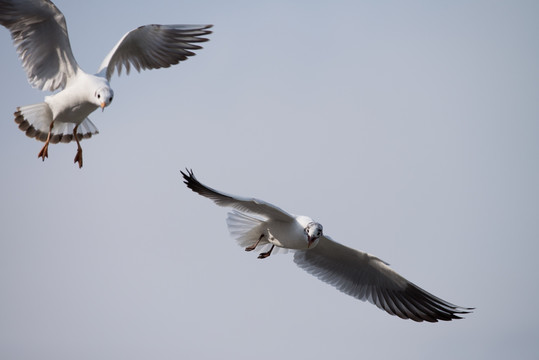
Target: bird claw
[(252, 247), (44, 153), (78, 158), (264, 255)]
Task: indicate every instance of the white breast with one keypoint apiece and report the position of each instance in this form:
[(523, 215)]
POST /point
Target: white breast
[(75, 102), (290, 235)]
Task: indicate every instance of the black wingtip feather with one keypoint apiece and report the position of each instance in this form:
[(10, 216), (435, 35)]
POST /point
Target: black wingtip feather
[(192, 183), (189, 178)]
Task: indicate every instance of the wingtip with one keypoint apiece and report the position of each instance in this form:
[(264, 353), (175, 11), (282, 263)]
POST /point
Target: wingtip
[(188, 172), (188, 177)]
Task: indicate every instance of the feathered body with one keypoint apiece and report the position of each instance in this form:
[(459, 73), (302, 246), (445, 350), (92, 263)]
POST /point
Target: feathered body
[(356, 273), (284, 234), (39, 33)]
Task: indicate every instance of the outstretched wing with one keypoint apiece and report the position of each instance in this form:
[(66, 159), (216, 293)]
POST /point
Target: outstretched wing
[(153, 47), (250, 205), (366, 277), (39, 33)]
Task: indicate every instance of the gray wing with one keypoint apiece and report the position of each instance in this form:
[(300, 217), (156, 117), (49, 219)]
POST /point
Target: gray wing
[(366, 277), (39, 33), (250, 205), (153, 47)]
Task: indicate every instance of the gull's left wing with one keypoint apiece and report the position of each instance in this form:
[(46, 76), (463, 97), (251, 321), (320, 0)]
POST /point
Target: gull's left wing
[(153, 47), (366, 277)]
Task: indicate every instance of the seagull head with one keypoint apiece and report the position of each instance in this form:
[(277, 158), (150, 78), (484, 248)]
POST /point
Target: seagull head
[(314, 231), (103, 97)]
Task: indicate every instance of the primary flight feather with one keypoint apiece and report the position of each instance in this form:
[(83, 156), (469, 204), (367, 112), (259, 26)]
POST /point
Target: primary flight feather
[(39, 33), (255, 223)]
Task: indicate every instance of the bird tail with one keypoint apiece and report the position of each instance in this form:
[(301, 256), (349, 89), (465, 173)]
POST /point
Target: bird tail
[(35, 120), (245, 229)]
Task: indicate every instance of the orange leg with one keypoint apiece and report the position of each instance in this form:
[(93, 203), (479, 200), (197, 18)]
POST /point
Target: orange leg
[(78, 157), (266, 254), (44, 153), (252, 247)]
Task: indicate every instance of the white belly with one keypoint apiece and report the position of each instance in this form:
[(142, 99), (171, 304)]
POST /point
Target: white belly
[(290, 235), (68, 107)]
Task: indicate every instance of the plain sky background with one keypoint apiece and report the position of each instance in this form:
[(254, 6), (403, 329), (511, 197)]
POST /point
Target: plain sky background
[(409, 129)]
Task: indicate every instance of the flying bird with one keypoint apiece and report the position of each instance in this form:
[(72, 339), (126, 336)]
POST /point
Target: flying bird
[(39, 33), (255, 223)]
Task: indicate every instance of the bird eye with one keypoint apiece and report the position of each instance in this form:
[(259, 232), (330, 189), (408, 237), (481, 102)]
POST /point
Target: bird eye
[(110, 99), (99, 96)]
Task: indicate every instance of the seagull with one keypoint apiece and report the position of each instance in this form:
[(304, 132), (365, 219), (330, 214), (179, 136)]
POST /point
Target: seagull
[(353, 272), (39, 33)]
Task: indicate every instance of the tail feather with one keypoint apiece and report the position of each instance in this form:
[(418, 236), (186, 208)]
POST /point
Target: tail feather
[(35, 120), (245, 229)]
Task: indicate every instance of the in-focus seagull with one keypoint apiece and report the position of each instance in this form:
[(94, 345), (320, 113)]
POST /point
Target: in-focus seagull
[(39, 33), (353, 272)]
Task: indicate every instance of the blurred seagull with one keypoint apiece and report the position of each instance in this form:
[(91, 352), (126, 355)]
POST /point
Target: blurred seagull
[(39, 32), (353, 272)]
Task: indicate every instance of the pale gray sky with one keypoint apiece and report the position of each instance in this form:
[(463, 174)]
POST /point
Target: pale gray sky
[(409, 129)]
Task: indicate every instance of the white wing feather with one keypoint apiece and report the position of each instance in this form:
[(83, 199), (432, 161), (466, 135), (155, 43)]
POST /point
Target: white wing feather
[(39, 33), (366, 277), (251, 205), (153, 47)]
